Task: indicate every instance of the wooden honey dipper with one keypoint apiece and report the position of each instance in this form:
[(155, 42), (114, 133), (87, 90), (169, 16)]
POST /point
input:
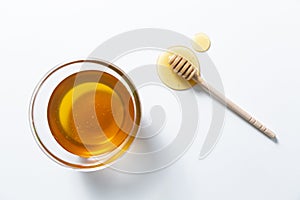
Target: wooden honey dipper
[(186, 70)]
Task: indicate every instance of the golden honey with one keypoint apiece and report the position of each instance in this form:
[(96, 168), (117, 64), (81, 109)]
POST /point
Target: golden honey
[(201, 42), (165, 72), (91, 113)]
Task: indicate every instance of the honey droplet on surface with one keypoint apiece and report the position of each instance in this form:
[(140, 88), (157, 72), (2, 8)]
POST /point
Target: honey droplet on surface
[(165, 72), (201, 42)]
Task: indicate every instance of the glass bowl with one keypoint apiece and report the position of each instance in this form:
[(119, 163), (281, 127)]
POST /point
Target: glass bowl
[(49, 131)]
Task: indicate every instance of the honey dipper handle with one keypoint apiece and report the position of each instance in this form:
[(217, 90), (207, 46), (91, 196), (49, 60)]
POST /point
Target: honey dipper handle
[(233, 107)]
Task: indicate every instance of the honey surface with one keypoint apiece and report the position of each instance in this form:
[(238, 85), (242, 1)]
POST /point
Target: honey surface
[(90, 113)]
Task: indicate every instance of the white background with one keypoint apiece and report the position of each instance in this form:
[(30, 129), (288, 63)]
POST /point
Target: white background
[(255, 46)]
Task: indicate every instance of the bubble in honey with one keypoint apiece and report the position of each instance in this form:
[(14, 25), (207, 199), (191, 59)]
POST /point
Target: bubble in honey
[(201, 42)]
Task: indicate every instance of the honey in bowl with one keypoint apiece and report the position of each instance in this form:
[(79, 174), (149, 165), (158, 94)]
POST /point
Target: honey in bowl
[(91, 113)]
